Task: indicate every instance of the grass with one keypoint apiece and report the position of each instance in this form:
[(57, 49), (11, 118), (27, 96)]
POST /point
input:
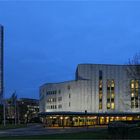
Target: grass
[(12, 126), (133, 134), (79, 135)]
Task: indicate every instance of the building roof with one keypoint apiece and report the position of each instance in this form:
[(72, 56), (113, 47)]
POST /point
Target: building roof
[(87, 64), (58, 82)]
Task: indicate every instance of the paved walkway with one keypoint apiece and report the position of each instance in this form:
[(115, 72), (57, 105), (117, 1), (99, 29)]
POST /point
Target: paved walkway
[(38, 129)]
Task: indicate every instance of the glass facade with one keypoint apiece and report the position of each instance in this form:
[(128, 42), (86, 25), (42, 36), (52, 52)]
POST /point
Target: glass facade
[(84, 120)]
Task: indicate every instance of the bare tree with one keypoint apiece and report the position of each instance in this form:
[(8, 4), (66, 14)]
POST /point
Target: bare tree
[(133, 67), (133, 73)]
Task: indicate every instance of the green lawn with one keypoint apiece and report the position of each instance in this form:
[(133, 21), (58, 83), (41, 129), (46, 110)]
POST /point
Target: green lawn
[(12, 126), (133, 134), (80, 135)]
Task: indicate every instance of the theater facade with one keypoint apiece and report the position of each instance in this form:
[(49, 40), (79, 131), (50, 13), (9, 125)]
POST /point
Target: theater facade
[(99, 94)]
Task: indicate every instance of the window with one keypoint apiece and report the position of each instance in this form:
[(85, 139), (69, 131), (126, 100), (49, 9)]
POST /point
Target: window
[(108, 84), (134, 92), (137, 84), (100, 105), (132, 84), (59, 106), (55, 106), (108, 105), (100, 75), (69, 95), (112, 105), (100, 96), (112, 83), (54, 99), (59, 98), (110, 94), (69, 104), (100, 88)]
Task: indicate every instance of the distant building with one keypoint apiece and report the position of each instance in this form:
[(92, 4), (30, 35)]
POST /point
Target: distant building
[(1, 62), (102, 93), (26, 110)]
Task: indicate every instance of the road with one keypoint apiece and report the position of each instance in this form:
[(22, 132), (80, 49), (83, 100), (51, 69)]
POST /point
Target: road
[(38, 129)]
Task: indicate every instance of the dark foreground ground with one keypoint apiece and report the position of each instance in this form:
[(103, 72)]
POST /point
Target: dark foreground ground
[(38, 132)]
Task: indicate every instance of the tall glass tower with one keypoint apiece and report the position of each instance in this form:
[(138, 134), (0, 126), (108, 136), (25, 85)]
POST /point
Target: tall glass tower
[(1, 62)]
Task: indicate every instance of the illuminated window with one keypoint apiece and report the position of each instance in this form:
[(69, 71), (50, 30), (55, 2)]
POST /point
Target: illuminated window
[(100, 96), (108, 105), (100, 86), (137, 92), (112, 83), (113, 105), (108, 84), (132, 84), (100, 105), (137, 84), (134, 88), (132, 94), (110, 94)]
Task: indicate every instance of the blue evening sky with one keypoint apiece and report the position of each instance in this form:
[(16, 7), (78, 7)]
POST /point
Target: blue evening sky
[(45, 40)]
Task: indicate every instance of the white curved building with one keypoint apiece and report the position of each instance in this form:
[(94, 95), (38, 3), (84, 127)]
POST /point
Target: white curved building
[(98, 89)]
